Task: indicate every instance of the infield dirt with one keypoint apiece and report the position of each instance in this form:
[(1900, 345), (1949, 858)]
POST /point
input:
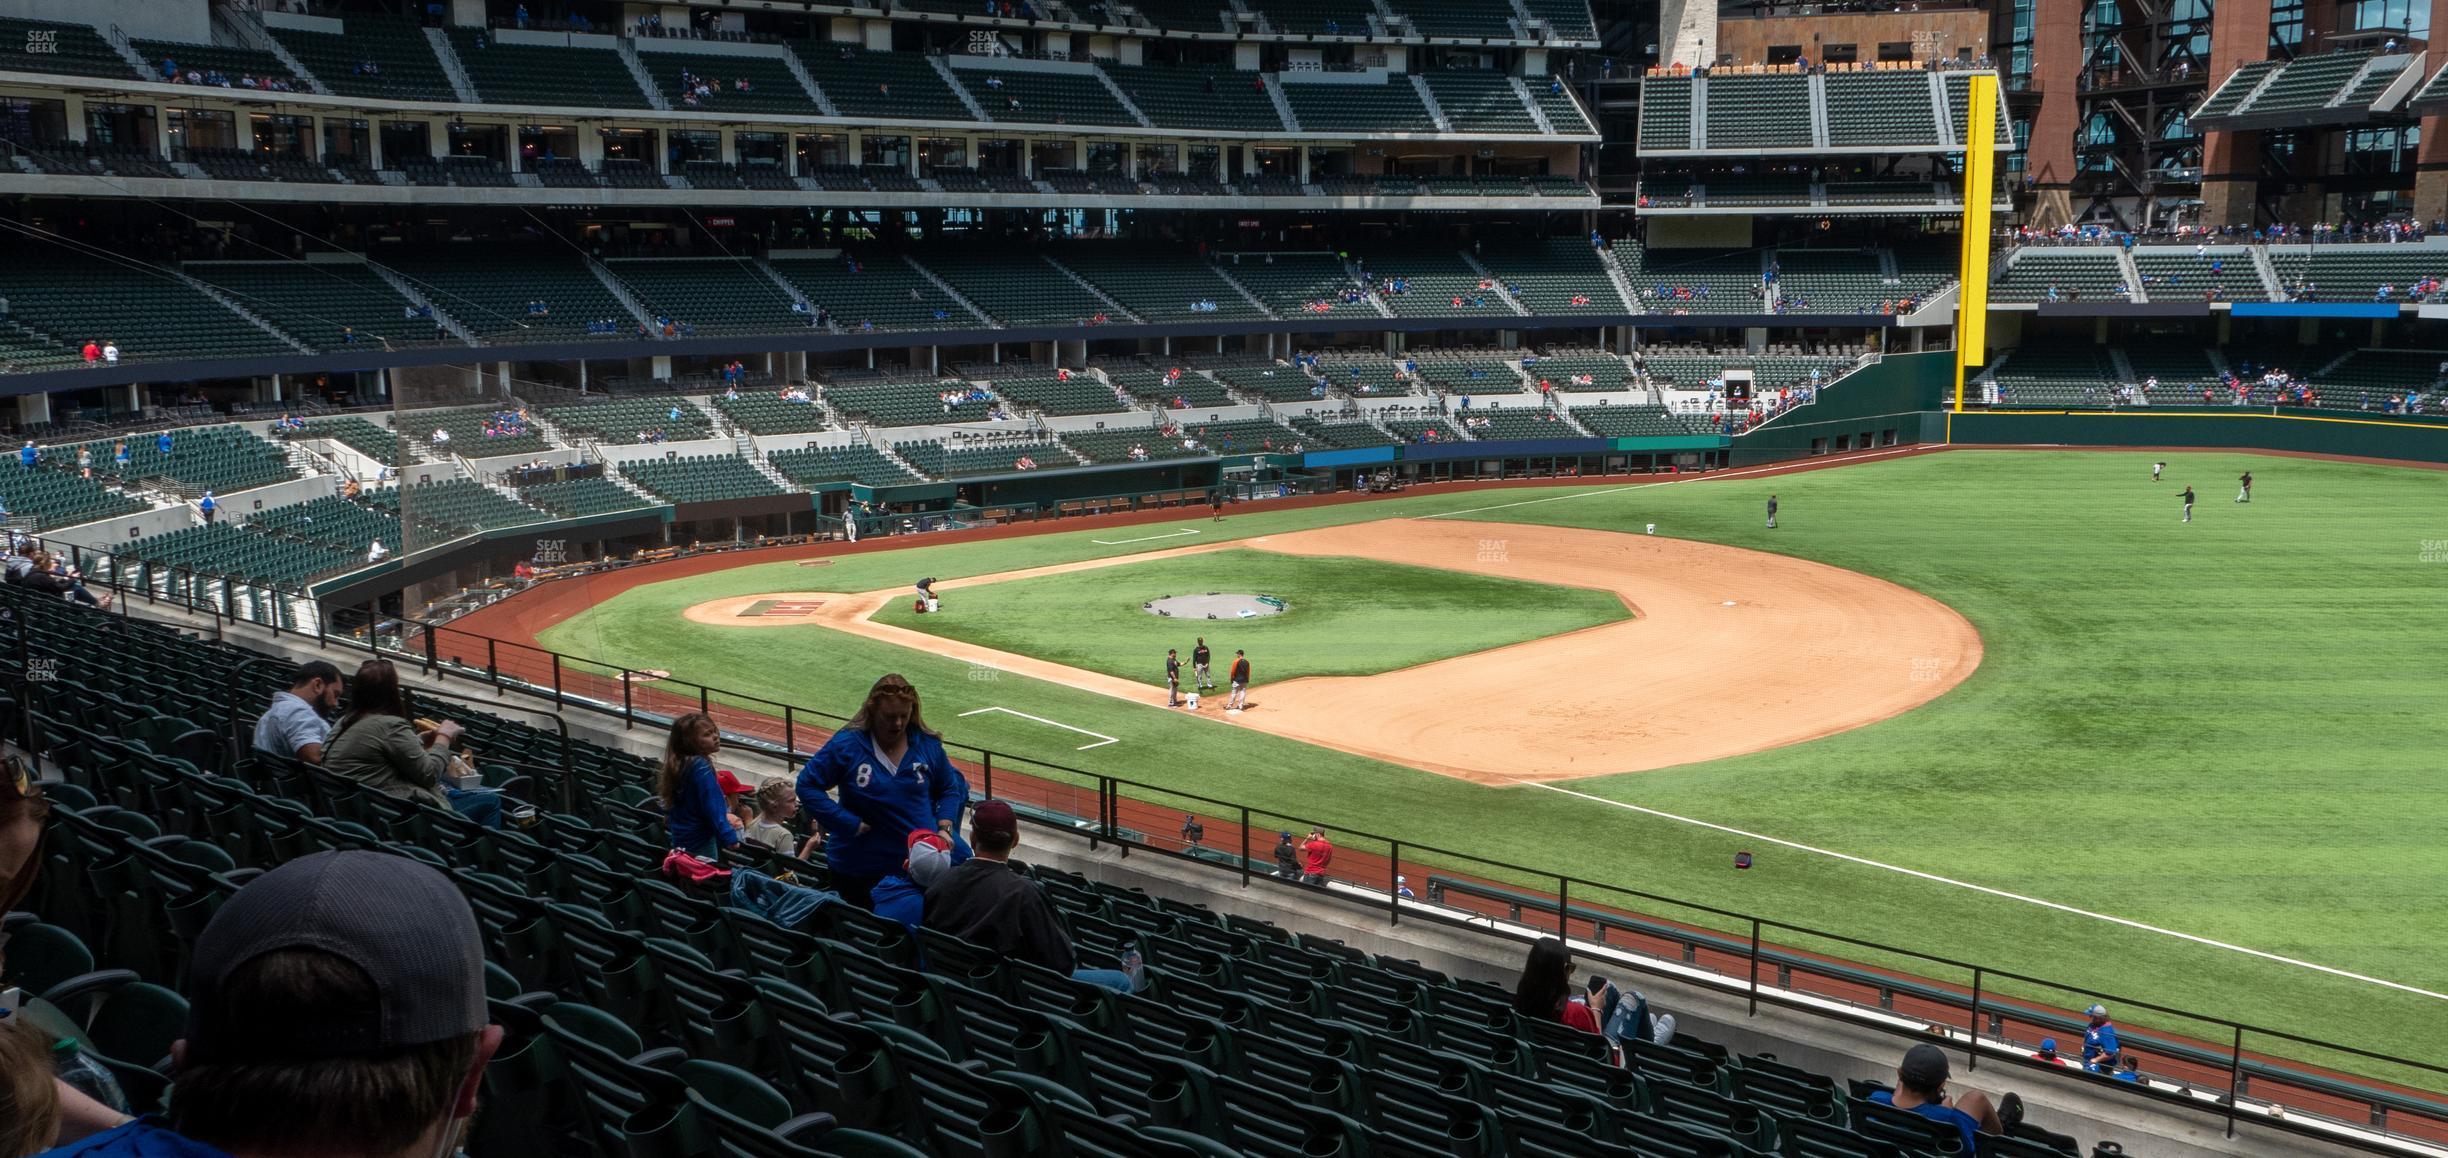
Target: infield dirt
[(1730, 651)]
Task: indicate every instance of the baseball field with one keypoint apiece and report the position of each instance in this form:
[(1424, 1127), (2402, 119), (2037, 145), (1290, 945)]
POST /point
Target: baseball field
[(1997, 706)]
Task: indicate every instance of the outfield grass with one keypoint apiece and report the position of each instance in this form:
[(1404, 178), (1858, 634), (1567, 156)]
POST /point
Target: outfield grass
[(1344, 616), (2227, 729)]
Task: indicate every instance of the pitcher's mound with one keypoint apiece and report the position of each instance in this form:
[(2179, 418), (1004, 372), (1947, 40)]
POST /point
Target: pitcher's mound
[(1215, 605)]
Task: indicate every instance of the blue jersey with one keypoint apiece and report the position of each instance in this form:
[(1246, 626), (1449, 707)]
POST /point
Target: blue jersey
[(25, 456), (1943, 1115), (2100, 1041), (142, 1138), (926, 790), (696, 816)]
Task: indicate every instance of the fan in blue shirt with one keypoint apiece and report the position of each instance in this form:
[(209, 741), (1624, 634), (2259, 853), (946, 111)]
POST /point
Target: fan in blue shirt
[(881, 777), (1921, 1080), (692, 795)]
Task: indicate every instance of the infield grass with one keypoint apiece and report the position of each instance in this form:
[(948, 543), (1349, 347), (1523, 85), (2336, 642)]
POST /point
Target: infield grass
[(2229, 729), (1344, 616)]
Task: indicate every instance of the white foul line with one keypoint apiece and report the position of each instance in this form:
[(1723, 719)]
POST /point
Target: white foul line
[(1144, 538), (1102, 738), (2046, 904), (1708, 477)]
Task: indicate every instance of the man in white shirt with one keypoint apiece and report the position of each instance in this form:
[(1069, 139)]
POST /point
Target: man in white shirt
[(110, 353), (376, 551)]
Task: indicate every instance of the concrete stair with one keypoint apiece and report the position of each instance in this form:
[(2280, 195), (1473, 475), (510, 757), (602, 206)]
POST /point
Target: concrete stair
[(946, 286), (451, 68), (958, 89), (1436, 112), (637, 71), (1506, 295), (1090, 286)]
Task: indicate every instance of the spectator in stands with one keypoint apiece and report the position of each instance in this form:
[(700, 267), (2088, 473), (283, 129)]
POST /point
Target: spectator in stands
[(27, 455), (694, 808), (1921, 1088), (29, 1095), (294, 725), (208, 506), (891, 777), (2100, 1045), (375, 551), (1287, 858), (2129, 1067), (46, 572), (1545, 991), (336, 1007), (92, 351), (776, 802), (2048, 1053), (984, 902), (162, 444), (1316, 853), (110, 353), (379, 745)]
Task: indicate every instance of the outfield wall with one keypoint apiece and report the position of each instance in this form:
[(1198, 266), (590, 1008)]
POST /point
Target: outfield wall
[(1899, 394), (2375, 436)]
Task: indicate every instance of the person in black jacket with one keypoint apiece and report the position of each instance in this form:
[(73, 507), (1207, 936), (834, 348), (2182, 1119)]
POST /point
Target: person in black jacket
[(1287, 859), (985, 902)]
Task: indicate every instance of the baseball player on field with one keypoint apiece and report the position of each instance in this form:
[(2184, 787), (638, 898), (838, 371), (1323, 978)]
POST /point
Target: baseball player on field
[(2244, 495), (1198, 665), (1172, 677), (2156, 467), (2187, 496), (1238, 698)]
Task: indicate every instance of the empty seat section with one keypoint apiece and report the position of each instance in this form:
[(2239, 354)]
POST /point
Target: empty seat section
[(2307, 83), (2239, 84), (860, 83), (1160, 285), (1340, 433), (1563, 112), (331, 521), (532, 74), (878, 293), (1666, 112), (1044, 98), (1579, 373), (1791, 190), (1016, 289), (453, 508), (1957, 84), (59, 497), (944, 461), (2225, 274), (772, 89), (771, 413), (1832, 281), (1241, 436), (1516, 422), (1558, 275), (62, 49), (1691, 280), (855, 462), (1173, 387), (579, 497), (1053, 395), (1126, 443), (489, 290), (1273, 382), (1457, 17), (717, 295), (371, 56), (1630, 420), (2075, 274), (1758, 112), (700, 479), (329, 305), (1335, 107), (2355, 273), (148, 312), (1186, 16), (1480, 102), (1196, 98), (1438, 283), (374, 442), (1569, 18), (1319, 17), (625, 419), (1299, 285), (1880, 108)]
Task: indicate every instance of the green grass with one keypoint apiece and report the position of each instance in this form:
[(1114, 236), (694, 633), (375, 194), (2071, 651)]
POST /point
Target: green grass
[(1344, 616), (2228, 729)]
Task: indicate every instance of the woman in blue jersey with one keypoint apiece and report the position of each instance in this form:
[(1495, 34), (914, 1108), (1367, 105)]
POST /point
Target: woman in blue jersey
[(1921, 1088), (881, 777), (693, 806)]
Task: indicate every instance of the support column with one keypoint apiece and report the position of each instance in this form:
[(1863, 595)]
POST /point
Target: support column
[(662, 368), (2231, 160), (2056, 65), (2431, 159), (135, 397), (33, 408)]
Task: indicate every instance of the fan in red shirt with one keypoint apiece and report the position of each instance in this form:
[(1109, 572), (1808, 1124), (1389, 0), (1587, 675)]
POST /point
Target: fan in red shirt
[(1316, 853), (93, 352)]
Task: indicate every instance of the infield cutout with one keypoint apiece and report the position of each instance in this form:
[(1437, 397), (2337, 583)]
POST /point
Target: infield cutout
[(782, 608)]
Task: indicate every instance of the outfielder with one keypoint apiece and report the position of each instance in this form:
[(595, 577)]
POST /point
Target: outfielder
[(2187, 496), (1198, 665), (2244, 495), (2156, 467), (1772, 512), (1238, 698)]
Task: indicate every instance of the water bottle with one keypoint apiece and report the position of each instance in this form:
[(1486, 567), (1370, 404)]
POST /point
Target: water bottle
[(89, 1077)]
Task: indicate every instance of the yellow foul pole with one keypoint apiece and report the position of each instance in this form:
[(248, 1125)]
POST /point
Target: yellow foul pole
[(1980, 164)]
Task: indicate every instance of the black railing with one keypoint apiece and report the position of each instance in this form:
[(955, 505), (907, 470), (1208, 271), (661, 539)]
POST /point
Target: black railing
[(2215, 1065)]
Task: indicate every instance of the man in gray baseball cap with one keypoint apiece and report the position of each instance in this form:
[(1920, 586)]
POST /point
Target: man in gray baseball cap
[(336, 1007)]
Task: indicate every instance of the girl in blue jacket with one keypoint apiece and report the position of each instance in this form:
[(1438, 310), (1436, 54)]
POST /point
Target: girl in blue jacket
[(892, 777), (693, 806)]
